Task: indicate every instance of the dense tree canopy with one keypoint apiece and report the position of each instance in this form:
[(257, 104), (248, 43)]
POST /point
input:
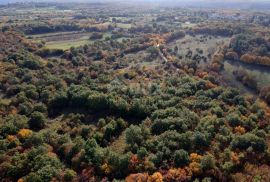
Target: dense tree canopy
[(145, 99)]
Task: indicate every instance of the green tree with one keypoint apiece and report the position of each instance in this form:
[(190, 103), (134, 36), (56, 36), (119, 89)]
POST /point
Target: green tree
[(201, 140), (25, 108), (33, 177), (93, 152), (181, 158), (37, 120), (134, 136), (208, 162), (249, 140), (47, 172), (142, 153), (69, 175)]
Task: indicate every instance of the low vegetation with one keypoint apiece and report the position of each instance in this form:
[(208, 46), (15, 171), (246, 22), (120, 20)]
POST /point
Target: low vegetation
[(143, 102)]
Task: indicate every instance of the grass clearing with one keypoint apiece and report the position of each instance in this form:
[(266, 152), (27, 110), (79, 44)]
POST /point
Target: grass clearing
[(4, 102), (67, 43), (119, 144), (72, 42), (124, 25), (44, 35)]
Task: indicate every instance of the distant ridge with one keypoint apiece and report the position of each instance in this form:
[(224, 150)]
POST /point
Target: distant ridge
[(239, 4)]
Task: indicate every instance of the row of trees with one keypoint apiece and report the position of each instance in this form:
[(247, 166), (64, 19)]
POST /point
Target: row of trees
[(251, 50)]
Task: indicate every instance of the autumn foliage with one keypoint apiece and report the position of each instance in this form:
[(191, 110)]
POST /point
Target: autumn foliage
[(24, 133)]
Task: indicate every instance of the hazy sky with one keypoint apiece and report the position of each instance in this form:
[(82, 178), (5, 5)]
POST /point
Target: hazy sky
[(172, 1), (140, 0)]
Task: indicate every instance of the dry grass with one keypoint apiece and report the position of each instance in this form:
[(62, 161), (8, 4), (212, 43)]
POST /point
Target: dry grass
[(119, 144)]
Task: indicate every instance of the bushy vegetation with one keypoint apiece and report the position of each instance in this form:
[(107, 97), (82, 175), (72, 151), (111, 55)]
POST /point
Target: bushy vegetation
[(250, 49), (132, 109)]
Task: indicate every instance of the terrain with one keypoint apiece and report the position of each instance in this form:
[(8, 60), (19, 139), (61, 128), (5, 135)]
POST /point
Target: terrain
[(128, 92)]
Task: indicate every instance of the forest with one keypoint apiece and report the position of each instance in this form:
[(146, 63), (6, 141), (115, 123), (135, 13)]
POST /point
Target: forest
[(96, 92)]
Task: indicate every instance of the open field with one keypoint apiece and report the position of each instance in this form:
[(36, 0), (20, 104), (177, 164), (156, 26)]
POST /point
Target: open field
[(66, 40), (123, 25), (259, 73), (68, 43)]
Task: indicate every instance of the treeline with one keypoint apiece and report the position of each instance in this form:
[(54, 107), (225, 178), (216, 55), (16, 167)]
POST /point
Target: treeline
[(249, 49), (41, 29), (174, 36), (216, 31), (44, 27), (82, 98), (219, 29)]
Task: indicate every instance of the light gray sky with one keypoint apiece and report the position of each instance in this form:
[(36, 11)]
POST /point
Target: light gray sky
[(140, 0), (160, 1)]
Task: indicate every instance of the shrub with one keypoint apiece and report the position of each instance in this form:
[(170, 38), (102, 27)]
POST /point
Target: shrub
[(142, 153), (31, 64), (265, 94), (40, 108), (69, 175), (47, 172), (37, 120), (201, 140), (249, 140), (153, 51), (114, 128), (96, 35), (175, 35), (35, 139), (234, 120), (31, 93), (93, 153), (97, 101), (208, 162), (25, 108), (139, 108), (232, 55), (174, 141), (59, 102), (12, 124), (228, 167), (119, 163), (134, 135), (179, 175), (33, 177), (181, 158), (118, 105), (240, 43), (24, 133), (17, 166)]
